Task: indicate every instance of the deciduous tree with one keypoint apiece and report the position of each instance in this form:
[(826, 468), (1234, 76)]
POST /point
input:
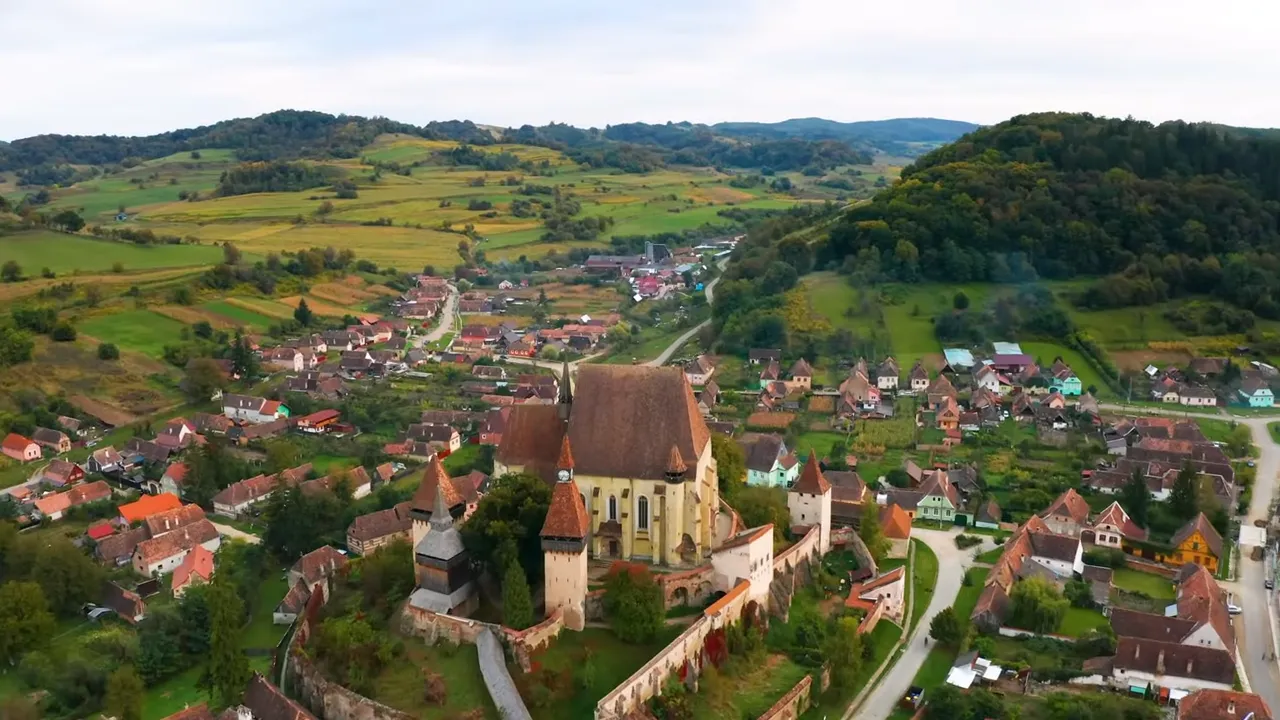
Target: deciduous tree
[(511, 512), (25, 620), (1036, 605), (872, 533), (731, 463), (633, 602), (947, 628), (843, 650), (125, 694)]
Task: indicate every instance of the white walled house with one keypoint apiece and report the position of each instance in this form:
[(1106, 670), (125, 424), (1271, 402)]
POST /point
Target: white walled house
[(1059, 553), (254, 410), (746, 556), (162, 555)]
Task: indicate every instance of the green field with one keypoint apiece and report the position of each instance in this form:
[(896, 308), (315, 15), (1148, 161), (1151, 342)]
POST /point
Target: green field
[(1078, 622), (65, 254), (141, 330), (241, 316)]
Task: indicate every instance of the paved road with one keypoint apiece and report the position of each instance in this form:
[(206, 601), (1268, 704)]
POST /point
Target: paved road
[(1254, 626), (237, 534), (686, 337), (952, 564), (448, 320)]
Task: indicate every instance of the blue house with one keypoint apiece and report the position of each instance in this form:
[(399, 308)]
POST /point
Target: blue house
[(769, 462), (1255, 393), (1064, 379)]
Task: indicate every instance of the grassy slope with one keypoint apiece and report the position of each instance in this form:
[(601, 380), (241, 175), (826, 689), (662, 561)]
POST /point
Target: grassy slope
[(924, 577), (65, 254)]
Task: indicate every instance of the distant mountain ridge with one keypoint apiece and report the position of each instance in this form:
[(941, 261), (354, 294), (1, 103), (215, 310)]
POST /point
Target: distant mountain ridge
[(636, 147), (893, 130)]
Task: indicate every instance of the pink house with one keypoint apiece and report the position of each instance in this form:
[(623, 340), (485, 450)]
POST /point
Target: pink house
[(20, 448)]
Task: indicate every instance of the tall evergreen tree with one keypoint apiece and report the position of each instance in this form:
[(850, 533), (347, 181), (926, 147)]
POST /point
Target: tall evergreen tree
[(243, 362), (517, 604), (227, 672), (1183, 500), (303, 313), (1136, 499)]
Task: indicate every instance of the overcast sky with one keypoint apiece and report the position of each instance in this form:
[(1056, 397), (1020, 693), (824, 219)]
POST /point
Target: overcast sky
[(145, 66)]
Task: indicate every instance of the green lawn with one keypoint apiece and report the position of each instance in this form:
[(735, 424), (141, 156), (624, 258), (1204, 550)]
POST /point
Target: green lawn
[(750, 691), (64, 254), (325, 464), (400, 684), (819, 442), (463, 459), (967, 598), (141, 330), (881, 640), (173, 695), (1045, 352), (924, 577), (242, 316), (261, 633), (613, 660), (1078, 622), (1149, 584), (1274, 429), (991, 556)]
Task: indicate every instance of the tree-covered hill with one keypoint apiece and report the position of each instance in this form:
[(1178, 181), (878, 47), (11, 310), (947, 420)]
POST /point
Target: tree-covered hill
[(1171, 209), (891, 136), (284, 134)]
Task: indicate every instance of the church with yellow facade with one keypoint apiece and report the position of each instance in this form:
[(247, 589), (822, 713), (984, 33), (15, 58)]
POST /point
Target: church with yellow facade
[(642, 462)]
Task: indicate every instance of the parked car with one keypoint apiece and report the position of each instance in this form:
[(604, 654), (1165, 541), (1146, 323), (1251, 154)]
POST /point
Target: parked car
[(1269, 584), (1234, 609)]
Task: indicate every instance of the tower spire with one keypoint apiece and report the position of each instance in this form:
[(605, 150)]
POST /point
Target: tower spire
[(564, 464), (565, 400)]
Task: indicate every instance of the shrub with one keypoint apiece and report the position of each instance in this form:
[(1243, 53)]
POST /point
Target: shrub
[(108, 351), (965, 542)]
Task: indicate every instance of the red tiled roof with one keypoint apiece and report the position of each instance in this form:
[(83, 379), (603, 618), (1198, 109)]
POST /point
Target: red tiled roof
[(1222, 705), (170, 520), (180, 540), (101, 530), (895, 522), (566, 516), (149, 505), (16, 442), (433, 480), (197, 564), (811, 481), (1069, 504)]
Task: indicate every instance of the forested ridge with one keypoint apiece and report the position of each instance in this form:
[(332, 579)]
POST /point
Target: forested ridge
[(1166, 210), (285, 134), (632, 147)]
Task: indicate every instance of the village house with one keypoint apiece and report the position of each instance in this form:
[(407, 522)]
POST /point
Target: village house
[(759, 356), (284, 358), (771, 374), (56, 441), (769, 462), (1064, 379), (62, 472), (1196, 542), (889, 588), (318, 422), (170, 520), (253, 409), (918, 377), (357, 480), (887, 374), (801, 376), (20, 448), (1223, 705), (939, 498), (55, 506), (1068, 515), (1192, 646), (1112, 527), (195, 569), (1256, 394), (373, 530), (146, 506), (126, 604), (238, 497), (316, 567), (699, 370), (441, 437), (708, 397), (162, 555), (1196, 396)]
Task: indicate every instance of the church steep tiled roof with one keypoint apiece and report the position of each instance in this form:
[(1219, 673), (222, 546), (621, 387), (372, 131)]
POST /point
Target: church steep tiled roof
[(434, 480), (566, 516), (811, 481)]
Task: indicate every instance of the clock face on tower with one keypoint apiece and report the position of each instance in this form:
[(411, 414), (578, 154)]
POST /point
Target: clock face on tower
[(564, 475)]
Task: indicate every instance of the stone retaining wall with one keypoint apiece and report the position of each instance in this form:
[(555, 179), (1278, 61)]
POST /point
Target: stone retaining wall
[(685, 650), (793, 704), (525, 642), (329, 700)]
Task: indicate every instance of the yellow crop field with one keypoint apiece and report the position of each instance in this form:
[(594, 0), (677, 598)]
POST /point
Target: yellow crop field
[(321, 307), (270, 308)]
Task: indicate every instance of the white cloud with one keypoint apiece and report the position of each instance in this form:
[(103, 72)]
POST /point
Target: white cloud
[(140, 66)]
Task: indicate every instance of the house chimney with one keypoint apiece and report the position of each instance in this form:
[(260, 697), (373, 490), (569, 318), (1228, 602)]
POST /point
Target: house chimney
[(243, 713), (1137, 650), (1160, 663), (1231, 707)]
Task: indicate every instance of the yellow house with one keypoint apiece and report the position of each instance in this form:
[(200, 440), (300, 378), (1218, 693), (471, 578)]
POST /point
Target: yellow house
[(642, 462), (1197, 542)]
